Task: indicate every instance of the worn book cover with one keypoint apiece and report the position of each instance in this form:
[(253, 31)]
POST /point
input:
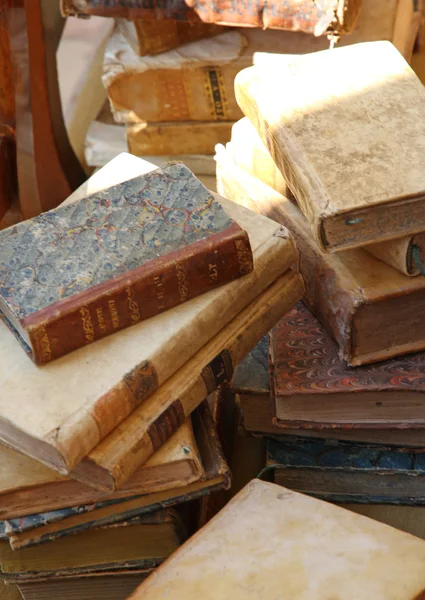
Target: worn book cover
[(43, 527), (80, 272), (348, 472), (406, 254), (270, 542), (353, 189), (313, 388), (69, 405), (371, 310)]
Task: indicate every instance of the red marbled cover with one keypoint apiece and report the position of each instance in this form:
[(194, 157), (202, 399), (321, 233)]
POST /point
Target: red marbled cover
[(305, 361)]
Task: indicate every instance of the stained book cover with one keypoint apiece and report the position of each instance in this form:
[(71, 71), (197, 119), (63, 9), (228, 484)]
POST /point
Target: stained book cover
[(347, 472), (365, 183), (83, 271)]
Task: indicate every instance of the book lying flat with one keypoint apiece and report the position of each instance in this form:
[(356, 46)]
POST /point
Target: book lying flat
[(270, 542), (28, 487), (65, 408), (312, 388), (252, 385), (371, 310), (364, 183), (46, 527), (348, 472), (114, 460), (406, 254), (139, 543)]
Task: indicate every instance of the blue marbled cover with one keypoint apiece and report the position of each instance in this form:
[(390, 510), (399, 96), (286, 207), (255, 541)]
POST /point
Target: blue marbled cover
[(72, 248)]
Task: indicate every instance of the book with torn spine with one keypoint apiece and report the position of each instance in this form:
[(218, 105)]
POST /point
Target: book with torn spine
[(110, 464), (371, 310), (352, 189), (67, 407), (46, 527), (406, 254), (323, 548), (80, 272)]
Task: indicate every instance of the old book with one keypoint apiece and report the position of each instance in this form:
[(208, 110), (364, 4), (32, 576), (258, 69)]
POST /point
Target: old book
[(142, 542), (344, 208), (371, 310), (312, 388), (186, 137), (91, 268), (293, 15), (406, 254), (321, 546), (28, 487), (35, 529), (252, 386), (58, 417), (113, 461), (347, 472), (153, 36)]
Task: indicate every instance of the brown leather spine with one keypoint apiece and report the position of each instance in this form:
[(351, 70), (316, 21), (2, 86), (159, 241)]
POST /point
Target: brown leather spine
[(140, 294)]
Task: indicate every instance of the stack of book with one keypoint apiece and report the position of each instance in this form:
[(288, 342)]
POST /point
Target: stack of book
[(122, 312), (333, 149)]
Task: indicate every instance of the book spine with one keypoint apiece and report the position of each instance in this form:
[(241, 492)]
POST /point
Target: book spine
[(155, 421), (144, 293), (127, 9)]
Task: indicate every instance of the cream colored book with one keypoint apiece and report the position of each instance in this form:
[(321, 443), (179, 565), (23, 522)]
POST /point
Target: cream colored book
[(59, 413), (28, 487), (346, 128), (270, 542), (406, 254)]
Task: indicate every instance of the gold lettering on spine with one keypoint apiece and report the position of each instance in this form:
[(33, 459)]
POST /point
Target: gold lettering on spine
[(213, 272), (159, 289), (182, 283), (114, 314), (87, 324), (101, 320), (42, 344), (132, 305), (244, 257)]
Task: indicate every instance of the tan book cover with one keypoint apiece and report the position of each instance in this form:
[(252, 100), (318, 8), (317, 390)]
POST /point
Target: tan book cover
[(270, 542), (406, 254), (28, 487), (371, 310), (114, 460), (365, 182), (185, 137), (66, 408)]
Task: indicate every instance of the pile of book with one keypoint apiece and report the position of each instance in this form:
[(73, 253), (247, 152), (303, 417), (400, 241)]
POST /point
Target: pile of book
[(123, 310), (333, 149)]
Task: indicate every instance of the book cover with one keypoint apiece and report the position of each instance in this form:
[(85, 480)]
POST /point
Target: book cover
[(130, 444), (80, 272), (67, 407), (406, 254), (45, 527), (270, 542), (352, 189), (371, 310), (347, 472), (312, 388)]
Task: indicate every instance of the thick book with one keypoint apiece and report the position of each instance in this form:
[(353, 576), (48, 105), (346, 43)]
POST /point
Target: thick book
[(185, 137), (353, 190), (270, 542), (326, 16), (347, 472), (139, 543), (28, 487), (68, 406), (44, 527), (153, 36), (80, 272), (371, 310), (312, 388), (406, 254), (251, 383), (110, 464)]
